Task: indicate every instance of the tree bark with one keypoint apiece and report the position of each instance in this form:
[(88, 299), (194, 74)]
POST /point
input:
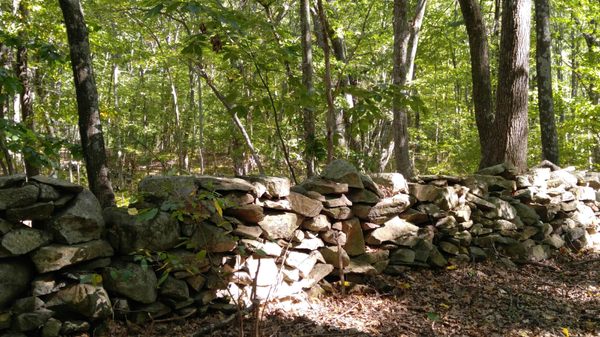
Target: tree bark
[(307, 81), (543, 59), (399, 76), (509, 144), (480, 75), (90, 127)]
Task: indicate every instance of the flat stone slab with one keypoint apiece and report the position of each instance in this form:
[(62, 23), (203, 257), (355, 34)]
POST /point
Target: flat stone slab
[(61, 184), (55, 257)]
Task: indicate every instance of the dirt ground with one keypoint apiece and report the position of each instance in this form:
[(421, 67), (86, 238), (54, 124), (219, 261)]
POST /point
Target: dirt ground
[(560, 297)]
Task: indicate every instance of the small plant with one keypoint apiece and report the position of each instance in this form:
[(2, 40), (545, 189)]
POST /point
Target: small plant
[(166, 262)]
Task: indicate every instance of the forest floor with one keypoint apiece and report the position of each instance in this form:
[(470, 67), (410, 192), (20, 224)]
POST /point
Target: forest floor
[(559, 297)]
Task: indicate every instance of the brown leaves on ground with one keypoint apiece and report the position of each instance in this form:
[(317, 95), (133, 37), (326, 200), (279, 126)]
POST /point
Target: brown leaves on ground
[(557, 298)]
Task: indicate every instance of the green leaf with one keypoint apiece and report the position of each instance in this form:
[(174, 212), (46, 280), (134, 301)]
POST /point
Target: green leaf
[(147, 214), (163, 278), (433, 316), (154, 11)]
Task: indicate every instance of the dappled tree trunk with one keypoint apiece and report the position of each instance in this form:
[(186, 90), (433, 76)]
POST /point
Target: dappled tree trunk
[(413, 43), (400, 118), (7, 163), (308, 117), (509, 144), (480, 75), (90, 127), (26, 95), (544, 81)]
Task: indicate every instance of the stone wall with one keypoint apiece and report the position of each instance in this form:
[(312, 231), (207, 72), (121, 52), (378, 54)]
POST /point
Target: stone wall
[(190, 244)]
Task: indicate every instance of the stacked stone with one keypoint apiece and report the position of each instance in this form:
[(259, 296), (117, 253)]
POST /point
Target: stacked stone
[(51, 252)]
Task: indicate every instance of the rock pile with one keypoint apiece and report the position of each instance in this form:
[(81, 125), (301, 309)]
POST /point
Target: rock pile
[(49, 268), (190, 244)]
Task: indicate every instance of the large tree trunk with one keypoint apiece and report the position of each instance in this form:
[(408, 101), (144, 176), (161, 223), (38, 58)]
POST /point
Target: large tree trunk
[(400, 118), (480, 75), (509, 144), (307, 81), (544, 81), (90, 127)]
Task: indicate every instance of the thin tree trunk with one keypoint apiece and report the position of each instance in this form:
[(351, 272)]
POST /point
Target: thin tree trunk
[(26, 95), (200, 126), (510, 143), (308, 118), (90, 127), (400, 118), (543, 59), (8, 167), (236, 121), (480, 75), (413, 42), (331, 122)]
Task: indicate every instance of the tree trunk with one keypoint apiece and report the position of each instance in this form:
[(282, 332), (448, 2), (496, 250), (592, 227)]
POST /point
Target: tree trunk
[(509, 144), (22, 70), (400, 118), (307, 81), (90, 127), (544, 81), (480, 75), (413, 43)]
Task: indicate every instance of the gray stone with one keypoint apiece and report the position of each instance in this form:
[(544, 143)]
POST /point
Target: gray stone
[(393, 183), (276, 187), (129, 233), (506, 170), (55, 257), (304, 206), (252, 232), (324, 186), (5, 226), (51, 328), (12, 180), (477, 254), (280, 225), (333, 236), (363, 196), (390, 231), (437, 259), (359, 266), (526, 214), (562, 177), (24, 240), (402, 256), (370, 185), (237, 199), (340, 201), (279, 205), (414, 216), (167, 187), (384, 209), (247, 213), (263, 270), (302, 261), (73, 327), (174, 289), (461, 213), (27, 304), (18, 196), (80, 222), (538, 253), (5, 319), (355, 242), (338, 213), (554, 241), (145, 312), (37, 211), (15, 275), (48, 193), (481, 203), (319, 272), (212, 239), (309, 244), (31, 320), (82, 299), (210, 183), (332, 256), (503, 209), (267, 247), (342, 171), (449, 247), (46, 284), (425, 193), (132, 281), (58, 183), (320, 223)]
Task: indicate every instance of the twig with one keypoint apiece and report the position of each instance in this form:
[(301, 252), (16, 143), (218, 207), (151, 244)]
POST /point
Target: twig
[(538, 264), (174, 318), (214, 326), (585, 261)]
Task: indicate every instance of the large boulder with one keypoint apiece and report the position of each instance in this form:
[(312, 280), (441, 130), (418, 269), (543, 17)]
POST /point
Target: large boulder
[(89, 301), (132, 281), (55, 256), (15, 275), (80, 222), (342, 171), (12, 180), (128, 233), (280, 225)]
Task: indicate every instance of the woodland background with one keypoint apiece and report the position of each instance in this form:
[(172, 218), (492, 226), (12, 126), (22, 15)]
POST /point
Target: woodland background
[(173, 77)]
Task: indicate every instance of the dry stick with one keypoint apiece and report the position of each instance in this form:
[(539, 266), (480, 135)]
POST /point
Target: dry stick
[(174, 318), (341, 263), (585, 261), (538, 264)]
